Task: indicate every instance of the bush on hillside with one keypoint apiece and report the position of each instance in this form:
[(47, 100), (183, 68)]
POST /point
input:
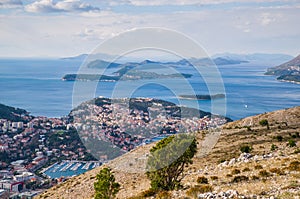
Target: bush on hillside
[(246, 149), (105, 185), (165, 164), (264, 122)]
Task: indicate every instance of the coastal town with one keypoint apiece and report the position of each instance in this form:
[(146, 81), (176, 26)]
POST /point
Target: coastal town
[(27, 145), (39, 152), (126, 124)]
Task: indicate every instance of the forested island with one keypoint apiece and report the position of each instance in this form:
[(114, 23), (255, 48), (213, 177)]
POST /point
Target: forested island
[(89, 77), (133, 70), (131, 75), (202, 97)]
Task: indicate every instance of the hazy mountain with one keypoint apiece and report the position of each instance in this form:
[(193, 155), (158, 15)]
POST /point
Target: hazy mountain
[(218, 59), (207, 61), (188, 62), (102, 64), (257, 57), (78, 57)]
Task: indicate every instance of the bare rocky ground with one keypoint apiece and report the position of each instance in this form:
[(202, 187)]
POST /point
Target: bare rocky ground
[(262, 173)]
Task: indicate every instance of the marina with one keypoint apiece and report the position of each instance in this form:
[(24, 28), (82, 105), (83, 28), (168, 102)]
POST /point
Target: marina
[(70, 168)]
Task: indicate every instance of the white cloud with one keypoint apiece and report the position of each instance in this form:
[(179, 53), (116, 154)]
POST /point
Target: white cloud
[(10, 4), (266, 19), (236, 30), (60, 6), (188, 2)]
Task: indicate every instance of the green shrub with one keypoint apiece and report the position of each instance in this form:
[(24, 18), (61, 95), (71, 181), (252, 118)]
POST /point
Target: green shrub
[(296, 135), (273, 147), (264, 122), (105, 186), (165, 168), (279, 138), (245, 149), (202, 180), (291, 143)]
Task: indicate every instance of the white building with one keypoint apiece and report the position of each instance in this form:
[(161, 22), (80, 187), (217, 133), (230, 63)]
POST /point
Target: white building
[(24, 176)]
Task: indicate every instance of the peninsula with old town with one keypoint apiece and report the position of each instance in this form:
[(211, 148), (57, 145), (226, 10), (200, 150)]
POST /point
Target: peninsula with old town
[(37, 152)]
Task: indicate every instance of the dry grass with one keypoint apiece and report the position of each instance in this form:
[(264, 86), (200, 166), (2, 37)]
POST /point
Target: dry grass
[(197, 189)]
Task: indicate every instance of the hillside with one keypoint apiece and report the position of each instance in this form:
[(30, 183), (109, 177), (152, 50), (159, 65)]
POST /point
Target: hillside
[(270, 170), (11, 113), (289, 71)]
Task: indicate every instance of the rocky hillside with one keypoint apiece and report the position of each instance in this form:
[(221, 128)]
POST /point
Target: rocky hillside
[(289, 71), (252, 159)]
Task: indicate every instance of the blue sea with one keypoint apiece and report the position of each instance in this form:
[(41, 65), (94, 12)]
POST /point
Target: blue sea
[(36, 85)]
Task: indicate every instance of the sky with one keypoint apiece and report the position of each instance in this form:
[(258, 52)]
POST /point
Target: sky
[(62, 28)]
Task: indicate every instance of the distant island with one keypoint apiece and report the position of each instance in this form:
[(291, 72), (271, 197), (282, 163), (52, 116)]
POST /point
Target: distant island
[(289, 71), (132, 75), (89, 77), (126, 72), (202, 97), (134, 70)]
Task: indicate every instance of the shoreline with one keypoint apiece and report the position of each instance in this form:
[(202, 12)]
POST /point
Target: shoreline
[(288, 81)]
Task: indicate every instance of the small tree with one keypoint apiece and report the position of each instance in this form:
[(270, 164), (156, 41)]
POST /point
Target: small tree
[(264, 122), (167, 161), (105, 186)]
